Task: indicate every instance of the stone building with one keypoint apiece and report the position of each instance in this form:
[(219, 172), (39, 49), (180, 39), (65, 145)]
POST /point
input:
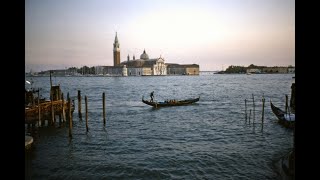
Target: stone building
[(145, 66), (275, 69), (182, 69)]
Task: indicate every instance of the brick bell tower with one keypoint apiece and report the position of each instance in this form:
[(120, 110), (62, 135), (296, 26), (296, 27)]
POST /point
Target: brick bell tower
[(116, 52)]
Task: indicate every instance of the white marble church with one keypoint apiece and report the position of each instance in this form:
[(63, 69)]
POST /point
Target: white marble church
[(145, 66)]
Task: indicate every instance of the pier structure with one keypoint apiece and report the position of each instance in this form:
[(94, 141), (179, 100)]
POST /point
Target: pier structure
[(46, 109)]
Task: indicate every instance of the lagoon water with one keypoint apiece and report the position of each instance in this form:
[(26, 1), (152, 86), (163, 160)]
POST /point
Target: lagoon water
[(207, 140)]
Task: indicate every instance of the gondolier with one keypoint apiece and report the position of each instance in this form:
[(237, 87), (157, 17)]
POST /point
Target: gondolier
[(151, 96)]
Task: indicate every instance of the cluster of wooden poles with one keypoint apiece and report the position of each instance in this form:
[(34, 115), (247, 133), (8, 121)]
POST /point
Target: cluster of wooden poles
[(43, 109), (247, 118), (58, 107), (86, 111)]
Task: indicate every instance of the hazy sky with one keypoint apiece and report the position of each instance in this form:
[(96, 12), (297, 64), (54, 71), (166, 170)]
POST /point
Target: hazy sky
[(211, 33)]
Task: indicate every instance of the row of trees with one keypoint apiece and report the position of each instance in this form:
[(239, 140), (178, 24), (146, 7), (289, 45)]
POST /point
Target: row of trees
[(242, 69), (83, 70), (236, 69)]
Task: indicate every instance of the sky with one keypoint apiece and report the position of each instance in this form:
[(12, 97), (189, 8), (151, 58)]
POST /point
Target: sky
[(212, 33)]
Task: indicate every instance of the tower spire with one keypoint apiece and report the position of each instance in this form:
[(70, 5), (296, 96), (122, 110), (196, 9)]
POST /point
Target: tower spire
[(116, 51), (116, 39)]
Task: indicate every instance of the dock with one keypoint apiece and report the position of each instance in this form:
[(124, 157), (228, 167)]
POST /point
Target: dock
[(32, 113)]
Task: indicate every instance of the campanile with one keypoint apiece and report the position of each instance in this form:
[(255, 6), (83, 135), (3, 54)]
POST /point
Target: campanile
[(116, 52)]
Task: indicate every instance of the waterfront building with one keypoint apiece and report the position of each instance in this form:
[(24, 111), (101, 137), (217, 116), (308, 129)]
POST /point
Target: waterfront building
[(254, 70), (182, 69), (145, 66), (275, 69), (291, 69)]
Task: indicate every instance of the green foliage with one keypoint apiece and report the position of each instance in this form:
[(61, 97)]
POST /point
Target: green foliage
[(236, 69)]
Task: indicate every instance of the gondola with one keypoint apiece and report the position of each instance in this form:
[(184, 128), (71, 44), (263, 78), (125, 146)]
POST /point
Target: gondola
[(286, 119), (170, 102)]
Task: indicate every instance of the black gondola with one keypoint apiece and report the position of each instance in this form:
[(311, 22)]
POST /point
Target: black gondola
[(286, 119), (170, 102)]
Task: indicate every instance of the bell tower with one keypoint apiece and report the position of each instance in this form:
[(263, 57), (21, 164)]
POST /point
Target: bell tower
[(116, 52)]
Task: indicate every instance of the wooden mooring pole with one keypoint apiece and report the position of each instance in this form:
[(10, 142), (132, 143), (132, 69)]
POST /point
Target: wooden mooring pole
[(262, 119), (253, 114), (286, 110), (70, 118), (249, 116), (68, 100), (52, 109), (63, 109), (104, 108), (79, 102), (86, 101), (50, 80), (245, 108), (39, 107)]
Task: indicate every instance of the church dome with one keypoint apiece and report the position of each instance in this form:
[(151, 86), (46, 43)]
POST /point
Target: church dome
[(144, 55)]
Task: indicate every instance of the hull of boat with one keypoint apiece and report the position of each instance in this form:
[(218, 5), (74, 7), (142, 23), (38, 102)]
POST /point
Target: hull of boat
[(285, 119), (166, 104)]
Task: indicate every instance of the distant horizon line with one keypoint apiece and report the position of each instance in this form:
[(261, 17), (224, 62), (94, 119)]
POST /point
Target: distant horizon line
[(31, 70)]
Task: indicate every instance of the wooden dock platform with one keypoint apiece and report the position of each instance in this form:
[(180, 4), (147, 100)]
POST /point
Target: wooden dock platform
[(32, 113)]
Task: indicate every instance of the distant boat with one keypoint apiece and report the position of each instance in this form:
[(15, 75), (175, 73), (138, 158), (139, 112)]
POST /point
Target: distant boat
[(248, 73), (286, 119), (170, 102)]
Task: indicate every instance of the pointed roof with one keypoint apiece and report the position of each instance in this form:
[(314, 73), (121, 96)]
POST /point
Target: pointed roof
[(144, 55), (116, 39)]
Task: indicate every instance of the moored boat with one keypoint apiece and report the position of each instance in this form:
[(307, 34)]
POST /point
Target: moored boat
[(286, 119)]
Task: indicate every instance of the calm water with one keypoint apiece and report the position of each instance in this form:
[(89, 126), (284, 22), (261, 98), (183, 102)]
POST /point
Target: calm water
[(207, 140)]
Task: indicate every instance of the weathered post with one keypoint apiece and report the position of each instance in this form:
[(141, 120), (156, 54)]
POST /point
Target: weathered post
[(52, 109), (253, 114), (262, 119), (79, 102), (245, 108), (68, 100), (39, 107), (70, 120), (63, 109), (104, 107), (249, 116), (59, 109), (86, 101), (292, 99), (286, 108), (50, 80), (59, 93), (33, 103)]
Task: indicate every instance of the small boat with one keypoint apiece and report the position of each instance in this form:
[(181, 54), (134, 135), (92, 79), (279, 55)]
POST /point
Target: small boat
[(286, 119), (170, 102)]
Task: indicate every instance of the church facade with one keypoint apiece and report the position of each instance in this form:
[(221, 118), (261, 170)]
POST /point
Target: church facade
[(145, 66)]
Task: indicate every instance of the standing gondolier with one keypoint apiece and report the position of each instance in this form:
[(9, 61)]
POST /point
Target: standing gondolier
[(151, 96)]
